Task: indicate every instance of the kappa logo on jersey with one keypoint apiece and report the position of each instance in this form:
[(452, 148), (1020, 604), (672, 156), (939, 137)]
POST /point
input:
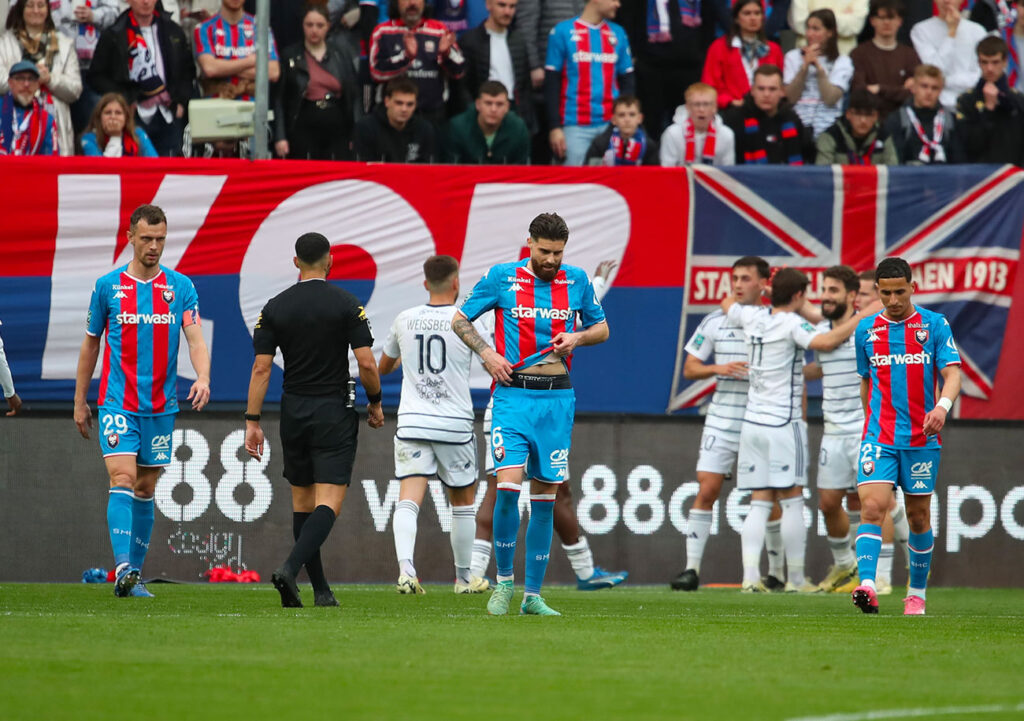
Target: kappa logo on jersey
[(921, 336), (168, 296), (901, 359), (919, 486), (161, 442), (113, 439), (527, 312), (515, 288), (868, 467), (922, 469), (873, 334), (120, 294), (146, 318), (162, 457)]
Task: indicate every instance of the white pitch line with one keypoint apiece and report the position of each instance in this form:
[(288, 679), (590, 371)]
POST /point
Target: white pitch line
[(913, 713)]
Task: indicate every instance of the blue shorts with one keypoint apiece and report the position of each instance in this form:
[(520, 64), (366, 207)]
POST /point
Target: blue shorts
[(912, 469), (148, 438), (532, 429)]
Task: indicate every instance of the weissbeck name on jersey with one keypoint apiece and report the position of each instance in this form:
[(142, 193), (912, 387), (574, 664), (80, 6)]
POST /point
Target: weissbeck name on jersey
[(529, 312), (143, 322), (902, 362)]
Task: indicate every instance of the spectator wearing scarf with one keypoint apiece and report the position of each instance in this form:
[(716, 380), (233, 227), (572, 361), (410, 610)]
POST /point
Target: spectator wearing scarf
[(733, 58), (145, 57), (768, 131), (922, 131), (990, 118), (26, 128), (31, 35), (111, 132), (697, 134), (624, 141), (857, 138)]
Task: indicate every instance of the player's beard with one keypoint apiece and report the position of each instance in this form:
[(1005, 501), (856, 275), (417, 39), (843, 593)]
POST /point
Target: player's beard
[(545, 274), (837, 312)]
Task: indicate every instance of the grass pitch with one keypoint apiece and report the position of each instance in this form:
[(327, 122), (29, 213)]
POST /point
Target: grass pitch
[(230, 652)]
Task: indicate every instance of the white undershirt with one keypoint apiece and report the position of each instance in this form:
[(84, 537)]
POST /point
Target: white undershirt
[(152, 41), (501, 62)]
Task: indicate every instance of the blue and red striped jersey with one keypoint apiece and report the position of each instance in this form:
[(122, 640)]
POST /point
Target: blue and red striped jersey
[(590, 59), (143, 321), (222, 40), (529, 312), (902, 361)]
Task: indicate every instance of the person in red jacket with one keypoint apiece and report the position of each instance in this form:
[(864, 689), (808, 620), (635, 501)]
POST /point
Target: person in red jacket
[(733, 58)]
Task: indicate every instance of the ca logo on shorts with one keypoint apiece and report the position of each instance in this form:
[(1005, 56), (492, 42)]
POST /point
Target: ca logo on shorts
[(868, 467), (499, 453), (113, 439)]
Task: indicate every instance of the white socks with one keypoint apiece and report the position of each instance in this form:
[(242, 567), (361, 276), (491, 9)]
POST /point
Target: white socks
[(481, 557), (752, 539), (884, 569), (403, 524), (776, 551), (698, 528), (901, 531), (581, 558), (842, 551), (794, 537), (463, 530)]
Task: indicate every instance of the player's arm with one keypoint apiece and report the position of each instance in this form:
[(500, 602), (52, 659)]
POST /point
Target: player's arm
[(199, 355), (499, 368), (213, 67), (387, 364), (936, 417), (258, 382), (810, 312), (564, 344), (813, 372), (370, 379), (832, 339), (87, 357)]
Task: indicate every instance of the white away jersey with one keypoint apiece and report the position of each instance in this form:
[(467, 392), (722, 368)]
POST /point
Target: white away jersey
[(775, 346), (840, 402), (722, 337), (436, 404)]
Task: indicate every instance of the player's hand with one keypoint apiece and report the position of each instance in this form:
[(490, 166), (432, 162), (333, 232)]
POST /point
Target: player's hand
[(254, 440), (556, 139), (199, 394), (605, 268), (735, 369), (410, 44), (375, 415), (934, 421), (564, 344), (14, 402), (499, 368), (83, 419)]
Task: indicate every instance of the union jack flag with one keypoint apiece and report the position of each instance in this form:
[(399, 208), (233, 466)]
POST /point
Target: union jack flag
[(961, 236)]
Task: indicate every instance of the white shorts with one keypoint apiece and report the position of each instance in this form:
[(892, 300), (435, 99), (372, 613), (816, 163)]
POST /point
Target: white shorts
[(454, 465), (772, 457), (717, 452), (489, 458), (837, 463)]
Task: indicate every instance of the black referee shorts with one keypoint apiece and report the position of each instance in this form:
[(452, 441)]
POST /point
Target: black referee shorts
[(318, 435)]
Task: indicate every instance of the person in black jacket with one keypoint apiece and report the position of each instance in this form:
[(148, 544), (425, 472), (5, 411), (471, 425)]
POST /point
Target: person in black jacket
[(767, 129), (395, 133), (990, 118), (317, 96), (510, 65), (624, 142), (122, 64)]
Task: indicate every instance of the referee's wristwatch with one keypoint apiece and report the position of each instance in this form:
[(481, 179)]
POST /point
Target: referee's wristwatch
[(252, 416)]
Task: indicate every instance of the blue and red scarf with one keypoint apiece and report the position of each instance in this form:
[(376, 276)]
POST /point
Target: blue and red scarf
[(659, 25), (626, 152), (17, 138)]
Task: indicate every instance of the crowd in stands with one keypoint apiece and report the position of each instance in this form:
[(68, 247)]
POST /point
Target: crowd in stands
[(574, 82)]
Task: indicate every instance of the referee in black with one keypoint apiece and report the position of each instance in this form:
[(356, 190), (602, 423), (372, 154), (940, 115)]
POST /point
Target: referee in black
[(314, 324)]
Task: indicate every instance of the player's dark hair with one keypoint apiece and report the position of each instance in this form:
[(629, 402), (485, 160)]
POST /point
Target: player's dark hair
[(896, 7), (867, 275), (991, 45), (152, 214), (549, 226), (786, 283), (402, 85), (863, 101), (845, 275), (494, 88), (893, 268), (311, 248), (439, 269), (754, 261)]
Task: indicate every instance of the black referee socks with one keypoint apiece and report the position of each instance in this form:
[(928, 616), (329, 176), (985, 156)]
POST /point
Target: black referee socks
[(314, 532)]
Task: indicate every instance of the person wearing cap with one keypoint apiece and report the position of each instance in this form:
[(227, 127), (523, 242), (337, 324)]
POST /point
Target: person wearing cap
[(26, 128)]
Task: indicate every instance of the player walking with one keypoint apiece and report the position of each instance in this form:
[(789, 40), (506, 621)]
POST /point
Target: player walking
[(722, 338), (435, 422), (901, 352), (143, 307), (535, 302)]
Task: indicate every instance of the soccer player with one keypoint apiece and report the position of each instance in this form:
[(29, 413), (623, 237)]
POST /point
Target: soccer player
[(536, 301), (722, 338), (435, 423), (7, 383), (901, 352), (143, 307), (773, 440), (589, 577)]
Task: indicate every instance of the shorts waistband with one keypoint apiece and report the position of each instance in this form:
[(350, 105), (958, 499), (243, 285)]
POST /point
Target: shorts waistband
[(532, 382)]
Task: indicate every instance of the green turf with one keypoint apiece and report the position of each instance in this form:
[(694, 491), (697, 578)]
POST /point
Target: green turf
[(230, 652)]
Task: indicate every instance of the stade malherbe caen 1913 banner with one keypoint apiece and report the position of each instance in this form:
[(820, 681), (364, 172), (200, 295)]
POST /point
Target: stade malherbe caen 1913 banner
[(674, 235)]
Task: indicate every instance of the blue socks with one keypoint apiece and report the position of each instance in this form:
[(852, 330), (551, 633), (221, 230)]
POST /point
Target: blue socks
[(506, 528), (920, 547), (869, 547), (538, 540), (119, 523), (142, 529)]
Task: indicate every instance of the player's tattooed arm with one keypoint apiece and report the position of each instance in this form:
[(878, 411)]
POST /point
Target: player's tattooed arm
[(465, 330)]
